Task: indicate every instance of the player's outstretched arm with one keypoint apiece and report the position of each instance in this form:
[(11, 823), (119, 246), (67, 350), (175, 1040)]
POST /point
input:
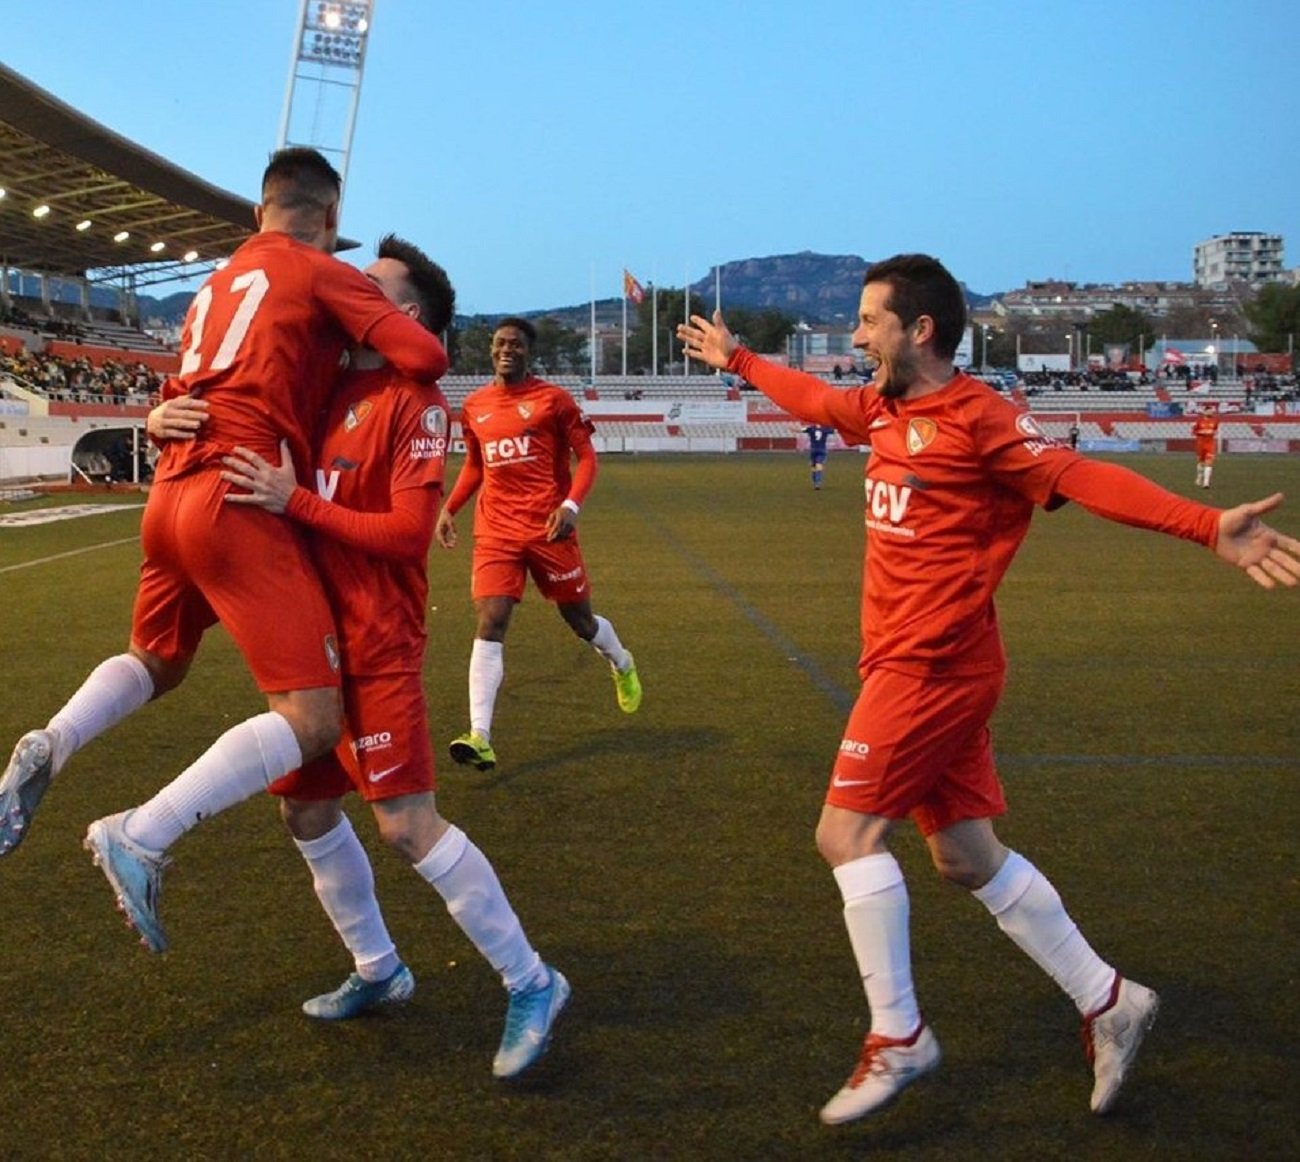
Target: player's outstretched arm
[(267, 485), (1267, 556)]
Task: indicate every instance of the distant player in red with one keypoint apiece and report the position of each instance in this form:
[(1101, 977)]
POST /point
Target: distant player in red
[(953, 478), (377, 488), (521, 435), (1206, 432), (261, 344)]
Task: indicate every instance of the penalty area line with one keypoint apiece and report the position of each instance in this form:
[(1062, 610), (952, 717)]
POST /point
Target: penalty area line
[(69, 553)]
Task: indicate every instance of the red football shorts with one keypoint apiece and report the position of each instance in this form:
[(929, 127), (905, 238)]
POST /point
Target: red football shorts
[(207, 561), (501, 569), (1205, 451), (920, 747), (385, 750)]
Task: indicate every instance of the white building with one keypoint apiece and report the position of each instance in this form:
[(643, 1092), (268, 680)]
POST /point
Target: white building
[(1249, 256)]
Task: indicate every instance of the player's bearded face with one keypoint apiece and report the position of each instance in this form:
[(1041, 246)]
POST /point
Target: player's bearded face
[(884, 340)]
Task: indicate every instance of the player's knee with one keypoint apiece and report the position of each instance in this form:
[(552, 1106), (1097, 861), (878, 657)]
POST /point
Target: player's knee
[(316, 719), (165, 673), (310, 819)]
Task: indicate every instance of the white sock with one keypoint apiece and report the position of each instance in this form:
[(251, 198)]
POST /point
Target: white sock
[(234, 768), (1028, 909), (607, 645), (462, 876), (486, 670), (1209, 471), (345, 885), (115, 688), (876, 914)]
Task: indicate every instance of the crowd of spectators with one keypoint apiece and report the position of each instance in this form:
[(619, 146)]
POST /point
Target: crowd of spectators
[(14, 316), (81, 381)]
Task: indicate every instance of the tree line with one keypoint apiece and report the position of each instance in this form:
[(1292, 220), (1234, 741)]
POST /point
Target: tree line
[(1271, 320)]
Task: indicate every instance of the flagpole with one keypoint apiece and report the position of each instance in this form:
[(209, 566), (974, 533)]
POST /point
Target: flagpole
[(686, 318), (593, 325), (717, 288), (654, 327), (625, 323)]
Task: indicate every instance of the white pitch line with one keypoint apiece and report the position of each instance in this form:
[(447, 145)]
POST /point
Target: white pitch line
[(69, 553)]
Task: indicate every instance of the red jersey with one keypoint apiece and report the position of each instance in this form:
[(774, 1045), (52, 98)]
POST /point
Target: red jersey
[(1206, 429), (384, 434), (951, 485), (262, 343), (519, 439)]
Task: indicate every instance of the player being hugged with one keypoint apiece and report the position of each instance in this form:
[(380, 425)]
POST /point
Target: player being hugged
[(953, 478)]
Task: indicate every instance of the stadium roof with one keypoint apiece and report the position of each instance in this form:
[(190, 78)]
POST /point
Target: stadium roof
[(175, 224)]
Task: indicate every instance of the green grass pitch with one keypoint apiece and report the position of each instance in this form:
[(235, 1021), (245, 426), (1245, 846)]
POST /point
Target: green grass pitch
[(1148, 740)]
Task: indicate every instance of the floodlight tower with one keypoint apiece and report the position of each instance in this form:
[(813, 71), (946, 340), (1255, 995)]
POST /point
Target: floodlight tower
[(324, 89)]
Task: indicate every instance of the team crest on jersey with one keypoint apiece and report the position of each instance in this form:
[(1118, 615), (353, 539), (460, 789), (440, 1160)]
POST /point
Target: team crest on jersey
[(525, 410), (434, 421), (356, 413), (920, 434), (1029, 427)]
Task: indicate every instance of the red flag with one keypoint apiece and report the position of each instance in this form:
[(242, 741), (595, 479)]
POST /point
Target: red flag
[(631, 288), (1173, 355)]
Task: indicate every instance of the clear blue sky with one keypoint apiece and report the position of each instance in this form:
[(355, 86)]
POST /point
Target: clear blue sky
[(525, 145)]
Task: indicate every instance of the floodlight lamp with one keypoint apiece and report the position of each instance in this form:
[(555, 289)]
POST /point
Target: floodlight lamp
[(190, 255), (363, 25), (40, 211), (84, 225), (2, 193), (332, 19), (157, 246), (121, 235)]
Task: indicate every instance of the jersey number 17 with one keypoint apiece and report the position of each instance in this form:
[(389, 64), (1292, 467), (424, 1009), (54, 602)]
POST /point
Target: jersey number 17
[(254, 285)]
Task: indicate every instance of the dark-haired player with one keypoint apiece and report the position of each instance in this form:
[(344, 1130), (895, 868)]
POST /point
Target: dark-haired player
[(261, 344), (521, 435), (378, 484), (954, 474)]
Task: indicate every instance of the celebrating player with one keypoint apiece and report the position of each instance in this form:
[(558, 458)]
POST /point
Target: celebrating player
[(378, 487), (951, 484), (520, 436), (1206, 432), (261, 343)]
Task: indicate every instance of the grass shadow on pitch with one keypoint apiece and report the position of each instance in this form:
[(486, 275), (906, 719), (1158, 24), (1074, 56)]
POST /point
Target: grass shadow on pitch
[(641, 743)]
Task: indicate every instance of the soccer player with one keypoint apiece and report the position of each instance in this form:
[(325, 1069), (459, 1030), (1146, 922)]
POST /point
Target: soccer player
[(954, 474), (521, 434), (261, 343), (378, 486), (817, 438), (1206, 432)]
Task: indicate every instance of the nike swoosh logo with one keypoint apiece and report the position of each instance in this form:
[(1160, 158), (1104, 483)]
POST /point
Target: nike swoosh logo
[(836, 781), (377, 775), (878, 424), (483, 419)]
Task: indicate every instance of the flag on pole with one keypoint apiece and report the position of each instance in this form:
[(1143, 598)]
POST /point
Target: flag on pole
[(631, 288)]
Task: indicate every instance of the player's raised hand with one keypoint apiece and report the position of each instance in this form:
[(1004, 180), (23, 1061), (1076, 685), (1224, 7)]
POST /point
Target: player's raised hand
[(707, 340), (268, 486), (179, 418), (444, 532), (1267, 556)]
